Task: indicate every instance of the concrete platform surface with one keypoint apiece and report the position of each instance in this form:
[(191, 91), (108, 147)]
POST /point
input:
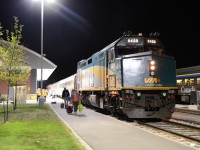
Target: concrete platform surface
[(102, 132)]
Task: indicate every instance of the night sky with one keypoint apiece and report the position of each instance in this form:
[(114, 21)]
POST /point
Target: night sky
[(75, 29)]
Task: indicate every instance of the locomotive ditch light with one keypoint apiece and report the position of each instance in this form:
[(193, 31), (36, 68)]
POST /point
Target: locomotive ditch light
[(163, 94), (138, 94), (114, 93)]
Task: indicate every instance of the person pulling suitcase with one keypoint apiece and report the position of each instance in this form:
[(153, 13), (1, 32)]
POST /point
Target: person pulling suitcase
[(75, 98)]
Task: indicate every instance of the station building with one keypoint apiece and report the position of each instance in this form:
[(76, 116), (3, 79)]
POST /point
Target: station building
[(28, 90)]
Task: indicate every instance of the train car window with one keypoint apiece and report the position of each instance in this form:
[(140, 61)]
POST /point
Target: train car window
[(179, 81), (101, 56), (95, 59), (189, 81), (198, 80), (83, 64), (90, 61)]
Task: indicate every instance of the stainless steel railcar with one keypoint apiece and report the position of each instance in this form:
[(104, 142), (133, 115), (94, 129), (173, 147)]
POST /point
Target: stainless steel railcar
[(131, 76), (188, 82), (57, 87)]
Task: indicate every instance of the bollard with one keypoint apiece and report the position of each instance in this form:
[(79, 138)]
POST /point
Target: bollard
[(41, 101)]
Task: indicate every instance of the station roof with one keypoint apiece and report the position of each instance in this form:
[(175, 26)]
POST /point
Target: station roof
[(188, 70), (34, 60)]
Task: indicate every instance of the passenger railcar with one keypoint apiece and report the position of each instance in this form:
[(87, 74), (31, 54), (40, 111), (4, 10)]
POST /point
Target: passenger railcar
[(131, 76), (188, 82), (57, 87)]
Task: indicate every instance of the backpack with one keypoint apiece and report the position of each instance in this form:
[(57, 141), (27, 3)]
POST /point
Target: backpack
[(75, 98)]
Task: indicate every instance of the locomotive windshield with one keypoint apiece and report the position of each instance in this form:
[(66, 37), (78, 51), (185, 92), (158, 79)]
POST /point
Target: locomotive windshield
[(137, 44)]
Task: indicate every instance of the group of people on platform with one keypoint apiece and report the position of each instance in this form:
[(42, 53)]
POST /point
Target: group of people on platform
[(44, 93), (74, 99)]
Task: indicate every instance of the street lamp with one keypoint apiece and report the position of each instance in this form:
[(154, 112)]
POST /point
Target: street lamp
[(42, 22), (41, 99)]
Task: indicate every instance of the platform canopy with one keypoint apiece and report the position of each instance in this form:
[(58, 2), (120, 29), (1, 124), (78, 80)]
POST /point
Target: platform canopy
[(34, 60)]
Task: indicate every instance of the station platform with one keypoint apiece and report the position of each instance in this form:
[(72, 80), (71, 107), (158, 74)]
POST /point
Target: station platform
[(179, 107), (188, 108), (103, 132)]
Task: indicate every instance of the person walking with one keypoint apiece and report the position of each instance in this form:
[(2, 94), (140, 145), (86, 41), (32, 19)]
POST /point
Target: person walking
[(38, 92), (75, 99), (65, 95)]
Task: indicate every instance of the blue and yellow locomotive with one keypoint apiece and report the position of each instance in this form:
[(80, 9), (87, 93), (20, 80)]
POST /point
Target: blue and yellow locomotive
[(131, 76)]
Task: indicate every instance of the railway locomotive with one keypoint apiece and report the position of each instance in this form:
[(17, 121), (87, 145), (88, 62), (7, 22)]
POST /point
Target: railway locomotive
[(131, 76)]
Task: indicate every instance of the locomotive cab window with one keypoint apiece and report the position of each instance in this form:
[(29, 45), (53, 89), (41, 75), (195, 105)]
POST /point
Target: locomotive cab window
[(155, 49), (127, 51)]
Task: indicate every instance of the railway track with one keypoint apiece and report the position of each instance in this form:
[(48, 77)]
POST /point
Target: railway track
[(180, 129), (196, 112)]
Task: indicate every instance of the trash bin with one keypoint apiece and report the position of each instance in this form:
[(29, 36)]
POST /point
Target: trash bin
[(41, 101)]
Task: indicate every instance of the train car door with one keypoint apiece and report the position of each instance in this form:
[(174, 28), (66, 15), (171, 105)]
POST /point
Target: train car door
[(90, 73), (111, 67)]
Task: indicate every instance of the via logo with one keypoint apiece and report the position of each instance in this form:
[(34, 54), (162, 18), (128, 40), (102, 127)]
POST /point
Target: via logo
[(151, 80)]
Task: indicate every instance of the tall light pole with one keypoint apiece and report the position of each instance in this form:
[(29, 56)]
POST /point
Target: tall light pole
[(42, 33), (41, 99)]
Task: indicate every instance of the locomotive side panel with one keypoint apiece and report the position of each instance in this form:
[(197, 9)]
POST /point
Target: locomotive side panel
[(99, 71), (166, 71)]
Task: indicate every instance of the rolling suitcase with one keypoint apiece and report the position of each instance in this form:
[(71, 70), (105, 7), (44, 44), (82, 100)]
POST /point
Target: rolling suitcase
[(69, 109), (62, 105)]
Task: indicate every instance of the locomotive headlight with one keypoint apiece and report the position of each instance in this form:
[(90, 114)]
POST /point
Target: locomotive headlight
[(152, 67), (152, 62)]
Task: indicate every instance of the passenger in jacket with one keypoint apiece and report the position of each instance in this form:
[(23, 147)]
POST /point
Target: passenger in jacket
[(65, 95), (38, 92), (75, 99)]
